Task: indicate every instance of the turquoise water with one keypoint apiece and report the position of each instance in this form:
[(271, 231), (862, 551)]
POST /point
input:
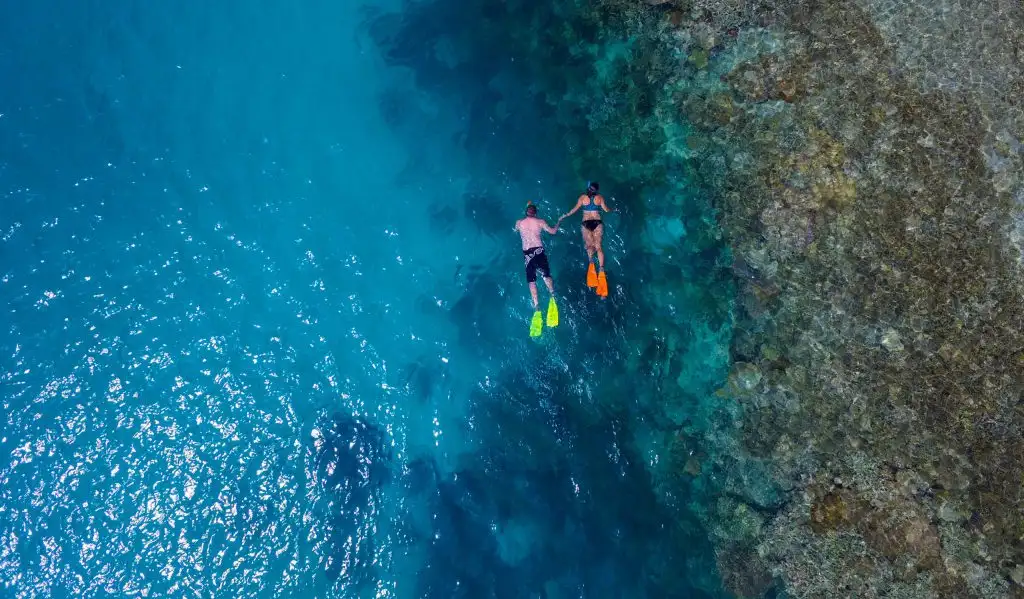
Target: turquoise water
[(266, 326)]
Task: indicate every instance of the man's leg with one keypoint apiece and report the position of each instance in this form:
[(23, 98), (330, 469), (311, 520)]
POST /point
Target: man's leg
[(551, 288), (531, 278), (545, 271), (552, 318), (533, 293)]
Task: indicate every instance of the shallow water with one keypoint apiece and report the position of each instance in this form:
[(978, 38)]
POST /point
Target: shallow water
[(266, 327)]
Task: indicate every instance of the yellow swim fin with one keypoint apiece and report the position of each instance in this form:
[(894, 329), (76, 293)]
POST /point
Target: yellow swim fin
[(591, 276), (536, 324), (552, 313)]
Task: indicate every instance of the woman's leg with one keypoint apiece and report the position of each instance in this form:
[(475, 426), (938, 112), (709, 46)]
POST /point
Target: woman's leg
[(588, 241), (596, 236)]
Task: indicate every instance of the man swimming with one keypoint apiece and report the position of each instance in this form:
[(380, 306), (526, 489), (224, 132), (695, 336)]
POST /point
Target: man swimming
[(530, 229)]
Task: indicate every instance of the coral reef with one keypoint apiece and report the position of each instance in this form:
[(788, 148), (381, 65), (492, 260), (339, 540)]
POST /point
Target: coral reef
[(873, 208)]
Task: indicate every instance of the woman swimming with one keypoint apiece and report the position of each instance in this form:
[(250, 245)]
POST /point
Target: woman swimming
[(592, 204)]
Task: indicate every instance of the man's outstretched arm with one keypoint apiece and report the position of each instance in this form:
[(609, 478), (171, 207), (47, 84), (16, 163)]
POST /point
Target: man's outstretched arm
[(549, 228)]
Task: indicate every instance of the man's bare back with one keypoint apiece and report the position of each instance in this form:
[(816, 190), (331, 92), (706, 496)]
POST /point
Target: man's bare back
[(530, 231)]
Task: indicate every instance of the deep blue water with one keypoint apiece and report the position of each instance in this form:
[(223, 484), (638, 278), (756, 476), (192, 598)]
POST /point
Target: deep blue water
[(265, 325)]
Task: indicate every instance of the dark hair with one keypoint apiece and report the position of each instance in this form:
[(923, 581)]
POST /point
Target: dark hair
[(592, 188), (531, 209)]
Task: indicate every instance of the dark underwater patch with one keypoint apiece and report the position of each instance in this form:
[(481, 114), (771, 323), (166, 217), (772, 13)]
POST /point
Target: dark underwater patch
[(353, 464), (424, 377), (474, 313), (354, 454)]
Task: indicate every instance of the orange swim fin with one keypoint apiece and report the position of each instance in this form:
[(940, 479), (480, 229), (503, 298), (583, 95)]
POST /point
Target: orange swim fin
[(602, 285), (591, 276)]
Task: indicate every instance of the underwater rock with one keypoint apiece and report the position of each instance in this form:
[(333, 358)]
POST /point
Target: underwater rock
[(737, 522), (1017, 575), (516, 540), (891, 341), (664, 233), (753, 480), (699, 58), (903, 534), (949, 512), (787, 230), (830, 513), (748, 80), (744, 378), (744, 573), (692, 466)]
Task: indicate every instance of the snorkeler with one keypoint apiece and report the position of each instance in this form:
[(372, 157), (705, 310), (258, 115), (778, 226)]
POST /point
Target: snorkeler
[(592, 204), (530, 229)]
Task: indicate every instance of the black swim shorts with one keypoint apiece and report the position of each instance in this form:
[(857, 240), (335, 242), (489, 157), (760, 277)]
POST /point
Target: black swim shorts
[(536, 260)]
